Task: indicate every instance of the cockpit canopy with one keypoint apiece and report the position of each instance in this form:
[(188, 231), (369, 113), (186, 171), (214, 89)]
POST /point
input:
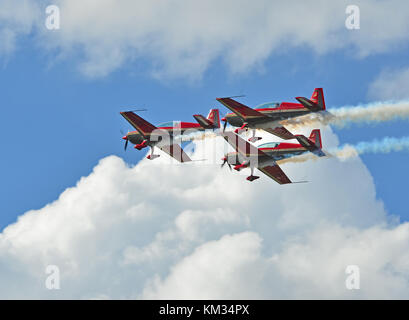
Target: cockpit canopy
[(169, 124), (269, 145), (268, 105)]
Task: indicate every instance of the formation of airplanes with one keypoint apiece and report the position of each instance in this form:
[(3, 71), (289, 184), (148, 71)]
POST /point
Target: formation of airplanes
[(267, 117)]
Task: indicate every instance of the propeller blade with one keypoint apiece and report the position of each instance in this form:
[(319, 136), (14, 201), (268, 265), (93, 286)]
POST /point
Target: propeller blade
[(126, 144), (224, 126), (224, 159), (224, 162)]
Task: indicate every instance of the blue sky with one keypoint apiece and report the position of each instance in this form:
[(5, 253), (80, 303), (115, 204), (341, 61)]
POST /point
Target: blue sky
[(57, 124)]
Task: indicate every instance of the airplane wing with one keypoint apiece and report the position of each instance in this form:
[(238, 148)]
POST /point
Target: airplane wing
[(241, 145), (241, 110), (247, 149), (280, 132), (175, 151), (275, 173), (144, 127)]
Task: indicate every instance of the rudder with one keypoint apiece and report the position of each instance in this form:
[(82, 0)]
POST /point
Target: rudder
[(214, 117), (318, 98), (315, 137), (313, 143)]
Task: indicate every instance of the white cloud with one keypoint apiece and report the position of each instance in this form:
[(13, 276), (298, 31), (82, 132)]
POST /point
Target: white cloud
[(182, 38), (390, 85), (195, 231), (231, 267), (15, 19), (235, 268)]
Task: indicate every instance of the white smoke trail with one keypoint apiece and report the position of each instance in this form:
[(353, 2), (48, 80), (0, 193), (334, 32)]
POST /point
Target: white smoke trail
[(364, 114), (347, 151), (193, 135), (386, 145)]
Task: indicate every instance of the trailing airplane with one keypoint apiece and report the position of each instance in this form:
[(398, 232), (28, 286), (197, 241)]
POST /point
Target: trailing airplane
[(147, 134), (265, 156), (269, 115)]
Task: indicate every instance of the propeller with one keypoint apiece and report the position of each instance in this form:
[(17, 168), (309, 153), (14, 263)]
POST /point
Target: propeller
[(225, 161), (225, 125), (126, 142), (125, 137), (225, 122)]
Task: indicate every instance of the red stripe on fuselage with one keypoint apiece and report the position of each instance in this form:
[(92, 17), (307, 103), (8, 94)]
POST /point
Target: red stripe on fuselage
[(284, 145), (184, 125), (290, 105)]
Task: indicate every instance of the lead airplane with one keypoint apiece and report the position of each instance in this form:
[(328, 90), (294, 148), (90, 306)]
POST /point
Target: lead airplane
[(147, 135), (269, 115), (265, 157)]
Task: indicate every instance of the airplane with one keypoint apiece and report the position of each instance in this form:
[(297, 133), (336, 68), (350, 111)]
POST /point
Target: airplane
[(268, 115), (265, 156), (147, 134)]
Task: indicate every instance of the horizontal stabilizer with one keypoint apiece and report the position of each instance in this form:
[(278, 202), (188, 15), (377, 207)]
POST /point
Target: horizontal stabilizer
[(313, 143), (308, 104), (203, 121), (211, 122), (317, 102)]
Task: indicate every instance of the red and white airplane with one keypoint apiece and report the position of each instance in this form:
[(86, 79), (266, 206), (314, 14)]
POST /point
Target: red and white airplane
[(265, 156), (147, 135), (269, 115)]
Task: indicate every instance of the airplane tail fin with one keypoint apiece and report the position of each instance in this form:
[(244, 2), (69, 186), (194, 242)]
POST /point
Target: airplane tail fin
[(316, 103), (318, 98), (315, 137), (313, 143), (212, 121), (214, 117)]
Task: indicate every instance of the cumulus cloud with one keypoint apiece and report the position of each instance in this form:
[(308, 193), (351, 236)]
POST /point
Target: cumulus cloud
[(390, 85), (181, 38), (159, 230)]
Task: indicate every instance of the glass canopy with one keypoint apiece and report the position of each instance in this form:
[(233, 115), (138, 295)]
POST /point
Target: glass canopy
[(269, 145)]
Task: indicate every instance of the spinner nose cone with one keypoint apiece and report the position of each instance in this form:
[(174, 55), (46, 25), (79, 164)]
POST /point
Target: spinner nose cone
[(125, 137)]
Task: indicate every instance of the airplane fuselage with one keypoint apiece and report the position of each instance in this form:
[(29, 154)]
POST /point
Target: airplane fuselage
[(179, 128), (284, 150), (272, 154), (286, 110)]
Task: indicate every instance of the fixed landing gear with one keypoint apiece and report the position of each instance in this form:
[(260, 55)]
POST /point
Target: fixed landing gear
[(152, 156), (142, 145), (252, 177), (244, 127), (254, 138)]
